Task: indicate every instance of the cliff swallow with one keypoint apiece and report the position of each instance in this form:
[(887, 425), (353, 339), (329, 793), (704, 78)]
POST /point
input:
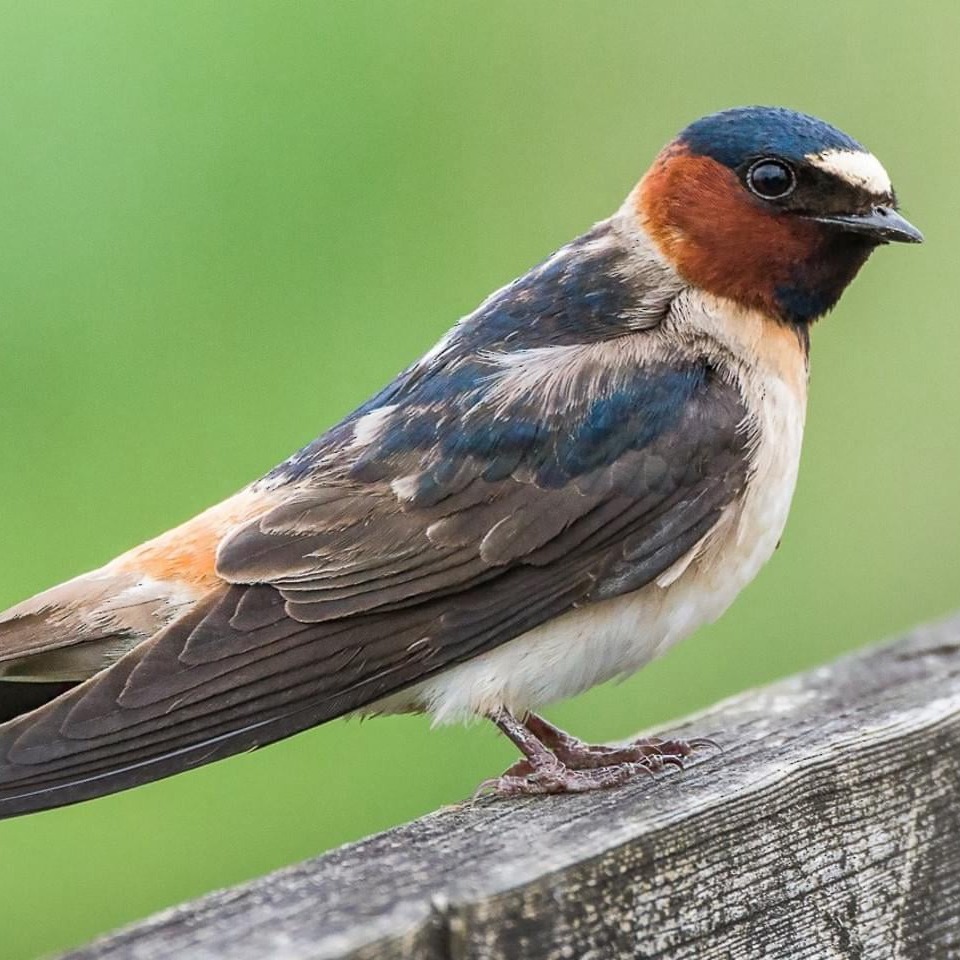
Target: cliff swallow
[(580, 473)]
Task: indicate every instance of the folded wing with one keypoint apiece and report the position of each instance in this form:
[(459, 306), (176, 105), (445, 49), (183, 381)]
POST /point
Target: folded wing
[(444, 533)]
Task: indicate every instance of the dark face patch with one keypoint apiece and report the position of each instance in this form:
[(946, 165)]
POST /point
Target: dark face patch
[(813, 287)]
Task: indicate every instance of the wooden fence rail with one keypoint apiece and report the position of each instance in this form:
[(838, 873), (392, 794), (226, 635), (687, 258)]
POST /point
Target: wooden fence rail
[(829, 828)]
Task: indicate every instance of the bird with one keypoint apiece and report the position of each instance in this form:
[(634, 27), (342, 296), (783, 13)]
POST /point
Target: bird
[(580, 473)]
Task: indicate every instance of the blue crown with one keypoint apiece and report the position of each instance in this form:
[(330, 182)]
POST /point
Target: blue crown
[(734, 136)]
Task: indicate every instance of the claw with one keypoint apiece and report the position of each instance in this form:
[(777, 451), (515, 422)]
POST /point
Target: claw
[(482, 790), (671, 759)]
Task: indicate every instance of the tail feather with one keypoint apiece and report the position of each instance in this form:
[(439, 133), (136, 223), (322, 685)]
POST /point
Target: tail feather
[(78, 628)]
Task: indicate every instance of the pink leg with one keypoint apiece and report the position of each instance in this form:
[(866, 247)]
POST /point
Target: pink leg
[(578, 755), (555, 762)]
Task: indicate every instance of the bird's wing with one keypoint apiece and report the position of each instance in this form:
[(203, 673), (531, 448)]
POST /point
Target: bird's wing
[(432, 536)]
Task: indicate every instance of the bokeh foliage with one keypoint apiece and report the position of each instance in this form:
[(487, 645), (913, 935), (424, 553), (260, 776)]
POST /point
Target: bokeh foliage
[(223, 224)]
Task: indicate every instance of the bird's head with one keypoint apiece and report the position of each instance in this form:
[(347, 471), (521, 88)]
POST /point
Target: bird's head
[(772, 208)]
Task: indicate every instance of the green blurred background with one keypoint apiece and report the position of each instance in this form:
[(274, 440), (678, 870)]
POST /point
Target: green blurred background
[(223, 225)]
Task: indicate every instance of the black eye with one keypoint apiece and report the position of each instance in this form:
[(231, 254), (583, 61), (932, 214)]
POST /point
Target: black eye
[(771, 179)]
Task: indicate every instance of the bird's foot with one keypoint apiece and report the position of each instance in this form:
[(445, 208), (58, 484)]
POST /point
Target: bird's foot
[(578, 755), (555, 762), (525, 779)]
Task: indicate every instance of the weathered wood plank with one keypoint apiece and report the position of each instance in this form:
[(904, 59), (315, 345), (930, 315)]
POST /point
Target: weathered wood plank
[(829, 828)]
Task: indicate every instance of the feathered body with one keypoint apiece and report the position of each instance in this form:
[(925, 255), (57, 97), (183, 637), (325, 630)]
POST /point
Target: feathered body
[(583, 471)]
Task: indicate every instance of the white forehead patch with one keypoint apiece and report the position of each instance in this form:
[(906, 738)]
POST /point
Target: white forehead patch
[(857, 167)]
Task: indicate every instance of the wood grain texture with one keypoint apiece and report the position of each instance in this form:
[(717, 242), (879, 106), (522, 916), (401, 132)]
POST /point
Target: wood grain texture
[(829, 828)]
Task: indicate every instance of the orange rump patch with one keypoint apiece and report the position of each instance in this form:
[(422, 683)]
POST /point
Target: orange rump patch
[(187, 554)]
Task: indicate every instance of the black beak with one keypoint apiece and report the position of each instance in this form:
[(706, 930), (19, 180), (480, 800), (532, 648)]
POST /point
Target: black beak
[(883, 224)]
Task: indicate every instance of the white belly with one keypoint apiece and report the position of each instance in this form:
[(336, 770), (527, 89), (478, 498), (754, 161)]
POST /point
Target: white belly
[(615, 637)]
